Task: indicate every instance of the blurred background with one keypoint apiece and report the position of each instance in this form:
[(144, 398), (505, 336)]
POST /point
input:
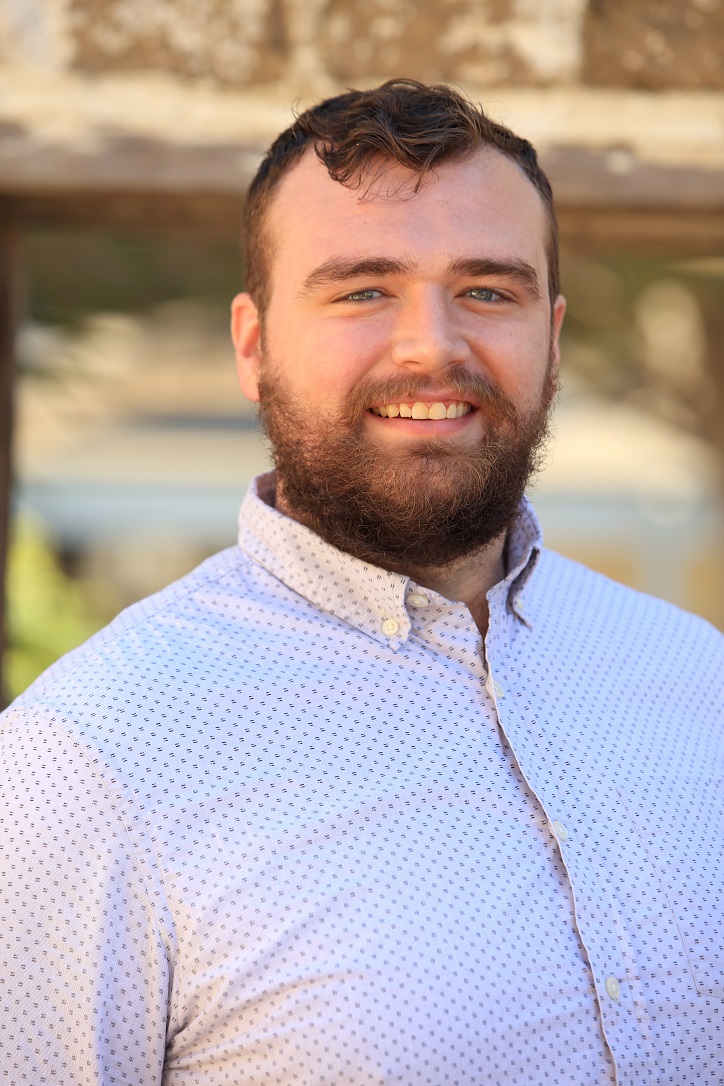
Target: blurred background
[(129, 130)]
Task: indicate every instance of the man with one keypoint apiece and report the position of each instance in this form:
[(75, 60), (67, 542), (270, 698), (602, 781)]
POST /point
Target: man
[(388, 793)]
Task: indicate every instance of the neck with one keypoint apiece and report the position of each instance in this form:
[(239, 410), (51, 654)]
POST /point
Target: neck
[(466, 581), (469, 580)]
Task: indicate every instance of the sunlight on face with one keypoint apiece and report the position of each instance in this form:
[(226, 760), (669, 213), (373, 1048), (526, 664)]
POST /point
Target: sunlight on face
[(408, 357)]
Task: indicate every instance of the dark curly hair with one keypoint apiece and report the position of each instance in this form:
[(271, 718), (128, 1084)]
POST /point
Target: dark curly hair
[(402, 122)]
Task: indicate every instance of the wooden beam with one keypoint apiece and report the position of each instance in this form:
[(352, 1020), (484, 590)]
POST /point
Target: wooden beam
[(124, 164), (607, 199), (9, 279), (673, 233), (208, 216), (613, 177), (617, 179)]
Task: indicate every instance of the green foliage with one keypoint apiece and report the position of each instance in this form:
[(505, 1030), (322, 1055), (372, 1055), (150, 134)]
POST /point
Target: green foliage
[(49, 612)]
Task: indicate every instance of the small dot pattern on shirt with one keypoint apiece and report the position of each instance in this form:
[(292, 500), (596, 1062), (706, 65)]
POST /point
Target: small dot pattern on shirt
[(284, 824)]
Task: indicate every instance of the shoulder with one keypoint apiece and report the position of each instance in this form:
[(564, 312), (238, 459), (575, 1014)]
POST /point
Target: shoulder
[(575, 602), (158, 643), (135, 699)]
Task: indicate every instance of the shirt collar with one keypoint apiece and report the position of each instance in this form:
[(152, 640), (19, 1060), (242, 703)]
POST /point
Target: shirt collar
[(364, 596), (523, 547)]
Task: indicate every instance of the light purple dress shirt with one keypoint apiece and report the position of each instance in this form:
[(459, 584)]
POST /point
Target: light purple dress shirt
[(290, 823)]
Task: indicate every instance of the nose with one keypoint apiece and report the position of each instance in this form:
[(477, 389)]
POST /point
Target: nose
[(427, 334)]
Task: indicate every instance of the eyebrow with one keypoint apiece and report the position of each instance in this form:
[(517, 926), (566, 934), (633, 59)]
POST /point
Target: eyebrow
[(339, 270), (519, 271)]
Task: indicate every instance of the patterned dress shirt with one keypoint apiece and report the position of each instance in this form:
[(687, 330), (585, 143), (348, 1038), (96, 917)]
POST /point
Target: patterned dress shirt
[(291, 823)]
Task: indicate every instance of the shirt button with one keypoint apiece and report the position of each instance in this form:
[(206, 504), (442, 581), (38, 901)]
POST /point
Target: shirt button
[(613, 987), (416, 599), (390, 627), (499, 692), (560, 831)]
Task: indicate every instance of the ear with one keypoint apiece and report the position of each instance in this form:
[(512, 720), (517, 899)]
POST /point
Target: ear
[(246, 334), (559, 312)]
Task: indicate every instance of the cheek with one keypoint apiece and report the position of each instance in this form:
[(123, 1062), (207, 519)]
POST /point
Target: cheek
[(335, 355), (317, 369), (521, 363)]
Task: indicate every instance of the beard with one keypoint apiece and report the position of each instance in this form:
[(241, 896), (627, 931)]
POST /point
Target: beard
[(424, 505)]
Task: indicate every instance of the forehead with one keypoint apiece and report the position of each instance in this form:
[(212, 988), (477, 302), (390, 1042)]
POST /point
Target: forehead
[(483, 203)]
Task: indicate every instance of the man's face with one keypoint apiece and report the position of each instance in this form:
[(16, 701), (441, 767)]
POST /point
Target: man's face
[(385, 302)]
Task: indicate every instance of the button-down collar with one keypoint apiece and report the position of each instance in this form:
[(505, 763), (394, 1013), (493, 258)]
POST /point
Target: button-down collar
[(364, 596), (371, 599)]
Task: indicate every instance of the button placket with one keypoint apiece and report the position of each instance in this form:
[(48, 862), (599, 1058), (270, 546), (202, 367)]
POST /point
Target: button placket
[(620, 1018), (546, 777)]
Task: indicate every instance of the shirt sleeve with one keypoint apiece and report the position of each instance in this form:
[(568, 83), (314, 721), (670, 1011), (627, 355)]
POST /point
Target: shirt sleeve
[(84, 965)]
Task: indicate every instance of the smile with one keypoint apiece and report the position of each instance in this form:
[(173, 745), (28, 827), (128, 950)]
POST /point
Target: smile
[(419, 410)]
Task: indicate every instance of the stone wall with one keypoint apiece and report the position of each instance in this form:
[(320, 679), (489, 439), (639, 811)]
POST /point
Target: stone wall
[(320, 44), (654, 44)]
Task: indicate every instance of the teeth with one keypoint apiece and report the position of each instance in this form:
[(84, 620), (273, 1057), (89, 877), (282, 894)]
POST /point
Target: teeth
[(420, 410)]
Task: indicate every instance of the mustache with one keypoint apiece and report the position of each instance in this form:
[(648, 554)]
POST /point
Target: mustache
[(459, 384)]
